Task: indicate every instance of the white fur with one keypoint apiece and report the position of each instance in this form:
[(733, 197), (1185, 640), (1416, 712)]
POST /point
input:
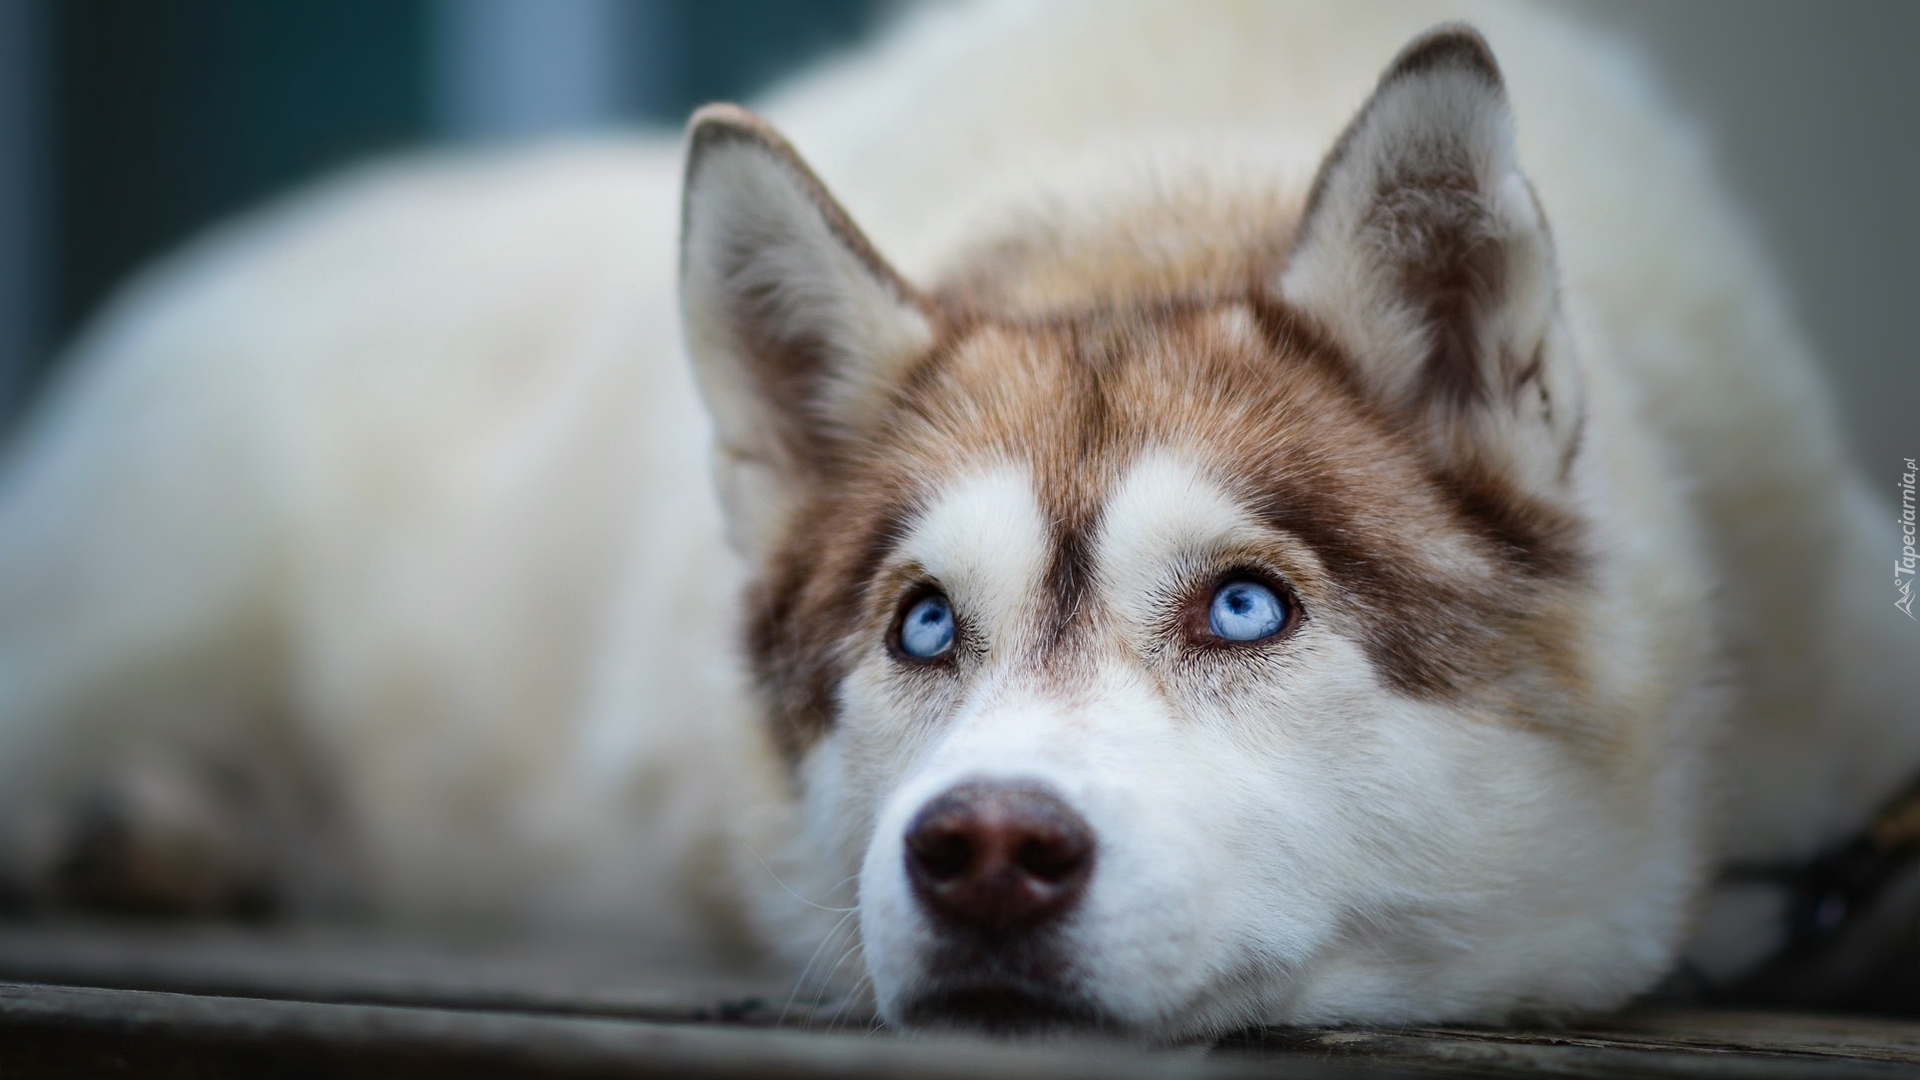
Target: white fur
[(401, 485), (986, 543)]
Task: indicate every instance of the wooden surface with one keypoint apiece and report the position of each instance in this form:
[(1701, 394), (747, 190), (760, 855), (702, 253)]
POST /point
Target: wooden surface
[(211, 1001)]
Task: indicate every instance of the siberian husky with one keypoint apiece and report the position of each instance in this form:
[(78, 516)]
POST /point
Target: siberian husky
[(1224, 545)]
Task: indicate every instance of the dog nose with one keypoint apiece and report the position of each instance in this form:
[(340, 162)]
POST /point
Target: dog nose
[(998, 857)]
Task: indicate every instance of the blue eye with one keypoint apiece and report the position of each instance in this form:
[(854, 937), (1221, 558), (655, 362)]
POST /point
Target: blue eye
[(926, 630), (1246, 611)]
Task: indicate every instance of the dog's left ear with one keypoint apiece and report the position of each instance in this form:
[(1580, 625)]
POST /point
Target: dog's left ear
[(1424, 252), (797, 329)]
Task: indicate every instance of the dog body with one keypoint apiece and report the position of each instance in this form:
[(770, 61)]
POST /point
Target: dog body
[(392, 514)]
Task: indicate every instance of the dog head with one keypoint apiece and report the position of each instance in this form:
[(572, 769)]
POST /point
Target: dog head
[(1167, 643)]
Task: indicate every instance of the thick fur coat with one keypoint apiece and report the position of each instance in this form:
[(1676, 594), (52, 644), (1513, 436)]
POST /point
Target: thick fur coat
[(369, 556)]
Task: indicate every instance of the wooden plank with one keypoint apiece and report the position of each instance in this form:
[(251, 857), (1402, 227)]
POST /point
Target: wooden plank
[(1659, 1044), (186, 998), (364, 965), (1867, 1038), (68, 1031)]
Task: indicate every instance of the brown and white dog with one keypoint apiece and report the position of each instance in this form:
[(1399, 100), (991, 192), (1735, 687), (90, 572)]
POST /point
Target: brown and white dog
[(1227, 591)]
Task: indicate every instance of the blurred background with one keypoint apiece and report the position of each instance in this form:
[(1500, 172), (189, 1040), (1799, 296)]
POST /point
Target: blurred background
[(127, 125)]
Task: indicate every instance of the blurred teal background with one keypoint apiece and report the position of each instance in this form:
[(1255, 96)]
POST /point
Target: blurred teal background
[(126, 125)]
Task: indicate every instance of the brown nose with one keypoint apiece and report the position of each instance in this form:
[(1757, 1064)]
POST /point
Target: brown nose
[(998, 857)]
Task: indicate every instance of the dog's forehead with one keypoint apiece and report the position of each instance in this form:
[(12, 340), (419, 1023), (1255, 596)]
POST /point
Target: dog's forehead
[(1057, 426), (1077, 400), (1052, 456)]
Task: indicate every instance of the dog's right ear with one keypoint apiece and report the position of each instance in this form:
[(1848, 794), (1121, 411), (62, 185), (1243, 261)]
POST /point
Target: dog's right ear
[(1424, 252), (797, 329)]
